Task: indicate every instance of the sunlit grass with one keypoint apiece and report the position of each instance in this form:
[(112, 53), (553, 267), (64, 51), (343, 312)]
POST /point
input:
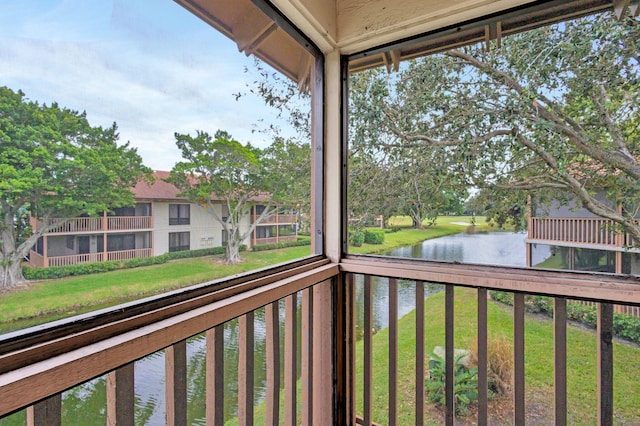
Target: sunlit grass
[(47, 300)]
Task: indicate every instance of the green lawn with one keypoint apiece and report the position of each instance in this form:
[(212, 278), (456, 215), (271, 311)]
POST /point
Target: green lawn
[(45, 301), (582, 387)]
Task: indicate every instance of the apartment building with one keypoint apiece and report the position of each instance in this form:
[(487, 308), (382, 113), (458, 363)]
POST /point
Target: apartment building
[(159, 222)]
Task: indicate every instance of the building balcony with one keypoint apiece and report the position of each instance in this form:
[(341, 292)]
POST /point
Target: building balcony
[(577, 232), (80, 225), (39, 261), (275, 240), (275, 219)]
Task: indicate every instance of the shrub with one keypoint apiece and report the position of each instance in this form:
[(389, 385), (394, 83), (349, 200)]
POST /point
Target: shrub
[(374, 236), (499, 364), (356, 237), (465, 383), (624, 326), (283, 244)]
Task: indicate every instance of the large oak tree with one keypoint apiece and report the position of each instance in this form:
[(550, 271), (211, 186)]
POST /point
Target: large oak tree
[(553, 112), (54, 166), (220, 170)]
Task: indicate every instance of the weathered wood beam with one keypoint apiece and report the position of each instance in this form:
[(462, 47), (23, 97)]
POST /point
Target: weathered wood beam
[(252, 29)]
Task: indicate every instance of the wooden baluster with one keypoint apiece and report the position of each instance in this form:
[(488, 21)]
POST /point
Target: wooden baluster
[(605, 364), (393, 350), (121, 396), (518, 359), (449, 315), (307, 356), (368, 359), (483, 394), (272, 316), (176, 383), (290, 356), (245, 369), (420, 352), (215, 376), (47, 412), (560, 359)]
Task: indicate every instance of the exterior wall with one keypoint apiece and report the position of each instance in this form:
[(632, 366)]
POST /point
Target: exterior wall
[(571, 209), (204, 230)]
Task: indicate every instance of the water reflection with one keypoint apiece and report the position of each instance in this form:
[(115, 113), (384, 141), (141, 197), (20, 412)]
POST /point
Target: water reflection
[(491, 248)]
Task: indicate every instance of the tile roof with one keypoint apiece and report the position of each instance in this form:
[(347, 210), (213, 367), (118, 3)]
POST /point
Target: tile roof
[(158, 190)]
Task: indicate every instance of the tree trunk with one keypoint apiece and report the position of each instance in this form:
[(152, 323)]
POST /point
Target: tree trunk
[(233, 253), (10, 273), (10, 258), (417, 223)]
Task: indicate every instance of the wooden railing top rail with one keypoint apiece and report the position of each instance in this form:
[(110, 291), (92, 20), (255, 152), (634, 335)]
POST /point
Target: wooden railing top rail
[(578, 285), (35, 373)]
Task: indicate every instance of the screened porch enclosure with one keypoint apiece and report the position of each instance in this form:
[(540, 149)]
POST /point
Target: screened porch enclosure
[(322, 366)]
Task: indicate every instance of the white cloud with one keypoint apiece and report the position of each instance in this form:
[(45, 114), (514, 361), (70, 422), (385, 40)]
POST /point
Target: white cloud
[(152, 74)]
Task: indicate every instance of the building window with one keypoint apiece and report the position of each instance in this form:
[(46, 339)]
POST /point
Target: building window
[(179, 241), (121, 242), (70, 242), (225, 237), (179, 214)]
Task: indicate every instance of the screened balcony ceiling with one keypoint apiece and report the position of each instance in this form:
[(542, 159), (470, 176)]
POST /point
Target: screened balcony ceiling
[(361, 27)]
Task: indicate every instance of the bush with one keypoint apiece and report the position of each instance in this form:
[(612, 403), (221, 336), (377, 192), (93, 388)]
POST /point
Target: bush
[(374, 236), (356, 237), (465, 383), (624, 326), (499, 364), (299, 242)]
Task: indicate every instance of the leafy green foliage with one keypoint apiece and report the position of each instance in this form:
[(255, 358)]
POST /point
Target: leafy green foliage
[(374, 236), (465, 383), (624, 326), (55, 165), (551, 113), (221, 169), (283, 244), (356, 237)]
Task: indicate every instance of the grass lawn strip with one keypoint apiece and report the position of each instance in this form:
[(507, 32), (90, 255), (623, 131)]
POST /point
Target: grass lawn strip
[(69, 296)]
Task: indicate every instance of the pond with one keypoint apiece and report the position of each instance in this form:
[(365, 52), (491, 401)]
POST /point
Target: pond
[(488, 248), (498, 248)]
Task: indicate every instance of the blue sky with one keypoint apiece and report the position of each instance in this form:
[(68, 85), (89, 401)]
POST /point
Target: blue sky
[(148, 65)]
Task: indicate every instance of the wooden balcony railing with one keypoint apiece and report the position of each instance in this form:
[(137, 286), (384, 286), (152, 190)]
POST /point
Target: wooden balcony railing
[(274, 240), (125, 223), (79, 224), (472, 284), (75, 259), (587, 231), (99, 224), (129, 254), (34, 377), (34, 372), (273, 219)]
